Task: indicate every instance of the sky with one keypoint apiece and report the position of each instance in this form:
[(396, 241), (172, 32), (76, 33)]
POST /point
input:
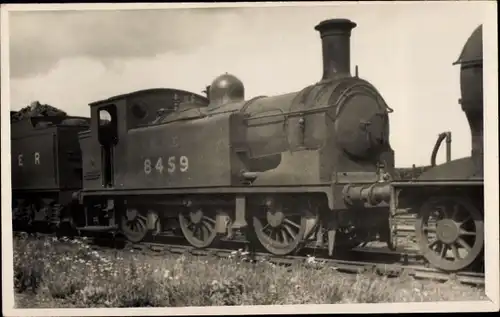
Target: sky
[(69, 59)]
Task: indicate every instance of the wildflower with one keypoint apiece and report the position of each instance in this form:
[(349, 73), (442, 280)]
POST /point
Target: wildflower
[(272, 288)]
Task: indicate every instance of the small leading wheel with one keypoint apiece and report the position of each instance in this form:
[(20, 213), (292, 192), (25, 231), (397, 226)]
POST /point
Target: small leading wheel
[(134, 225), (279, 233), (198, 228), (450, 232)]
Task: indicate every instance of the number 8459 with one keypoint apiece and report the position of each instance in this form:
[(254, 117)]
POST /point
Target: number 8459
[(171, 165)]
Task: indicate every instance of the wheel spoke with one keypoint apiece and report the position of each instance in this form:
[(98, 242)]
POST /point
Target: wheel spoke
[(205, 232), (288, 221), (283, 235), (429, 229), (265, 227), (464, 244), (463, 222), (197, 232), (454, 249), (467, 233), (207, 226), (201, 232), (274, 234), (433, 243), (444, 250), (136, 227), (289, 231), (141, 225), (209, 219)]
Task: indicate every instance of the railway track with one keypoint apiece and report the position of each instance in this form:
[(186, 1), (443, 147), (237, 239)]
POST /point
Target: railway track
[(374, 259), (343, 266), (371, 257)]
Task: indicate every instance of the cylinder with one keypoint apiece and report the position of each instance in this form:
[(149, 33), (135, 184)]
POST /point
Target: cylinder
[(372, 194), (335, 40)]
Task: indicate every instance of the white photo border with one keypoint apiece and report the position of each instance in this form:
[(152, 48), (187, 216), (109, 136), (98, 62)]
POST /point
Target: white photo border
[(490, 52)]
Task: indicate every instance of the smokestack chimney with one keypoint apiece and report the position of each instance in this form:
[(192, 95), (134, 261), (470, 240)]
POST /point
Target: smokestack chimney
[(335, 40)]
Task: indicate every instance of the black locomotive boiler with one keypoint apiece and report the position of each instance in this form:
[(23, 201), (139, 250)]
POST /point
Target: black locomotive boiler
[(307, 167)]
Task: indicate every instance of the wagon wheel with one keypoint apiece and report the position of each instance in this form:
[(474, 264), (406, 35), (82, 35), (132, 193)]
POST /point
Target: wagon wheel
[(198, 228), (458, 228), (134, 225), (279, 233)]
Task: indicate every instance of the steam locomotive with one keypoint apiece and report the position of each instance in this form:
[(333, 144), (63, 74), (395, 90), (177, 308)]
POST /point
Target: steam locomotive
[(308, 167)]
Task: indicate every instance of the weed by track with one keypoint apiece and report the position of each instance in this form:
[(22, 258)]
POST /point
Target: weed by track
[(68, 273)]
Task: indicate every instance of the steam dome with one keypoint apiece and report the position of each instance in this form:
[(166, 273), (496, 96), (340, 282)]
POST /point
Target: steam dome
[(226, 88)]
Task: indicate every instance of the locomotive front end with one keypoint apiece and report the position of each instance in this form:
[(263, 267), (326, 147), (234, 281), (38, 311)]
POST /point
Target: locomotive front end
[(307, 154), (338, 125)]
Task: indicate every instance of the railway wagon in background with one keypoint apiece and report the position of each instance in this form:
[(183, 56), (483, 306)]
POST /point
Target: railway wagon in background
[(46, 169)]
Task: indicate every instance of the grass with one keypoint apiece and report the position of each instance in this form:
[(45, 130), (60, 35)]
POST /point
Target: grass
[(52, 273)]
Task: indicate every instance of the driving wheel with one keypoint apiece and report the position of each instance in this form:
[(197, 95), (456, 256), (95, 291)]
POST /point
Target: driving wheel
[(134, 225), (280, 234), (198, 227)]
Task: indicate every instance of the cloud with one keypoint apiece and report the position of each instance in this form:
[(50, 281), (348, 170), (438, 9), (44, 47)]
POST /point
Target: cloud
[(39, 40)]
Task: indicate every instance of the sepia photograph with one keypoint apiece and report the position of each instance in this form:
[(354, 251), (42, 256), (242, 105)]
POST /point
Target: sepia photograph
[(254, 158)]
